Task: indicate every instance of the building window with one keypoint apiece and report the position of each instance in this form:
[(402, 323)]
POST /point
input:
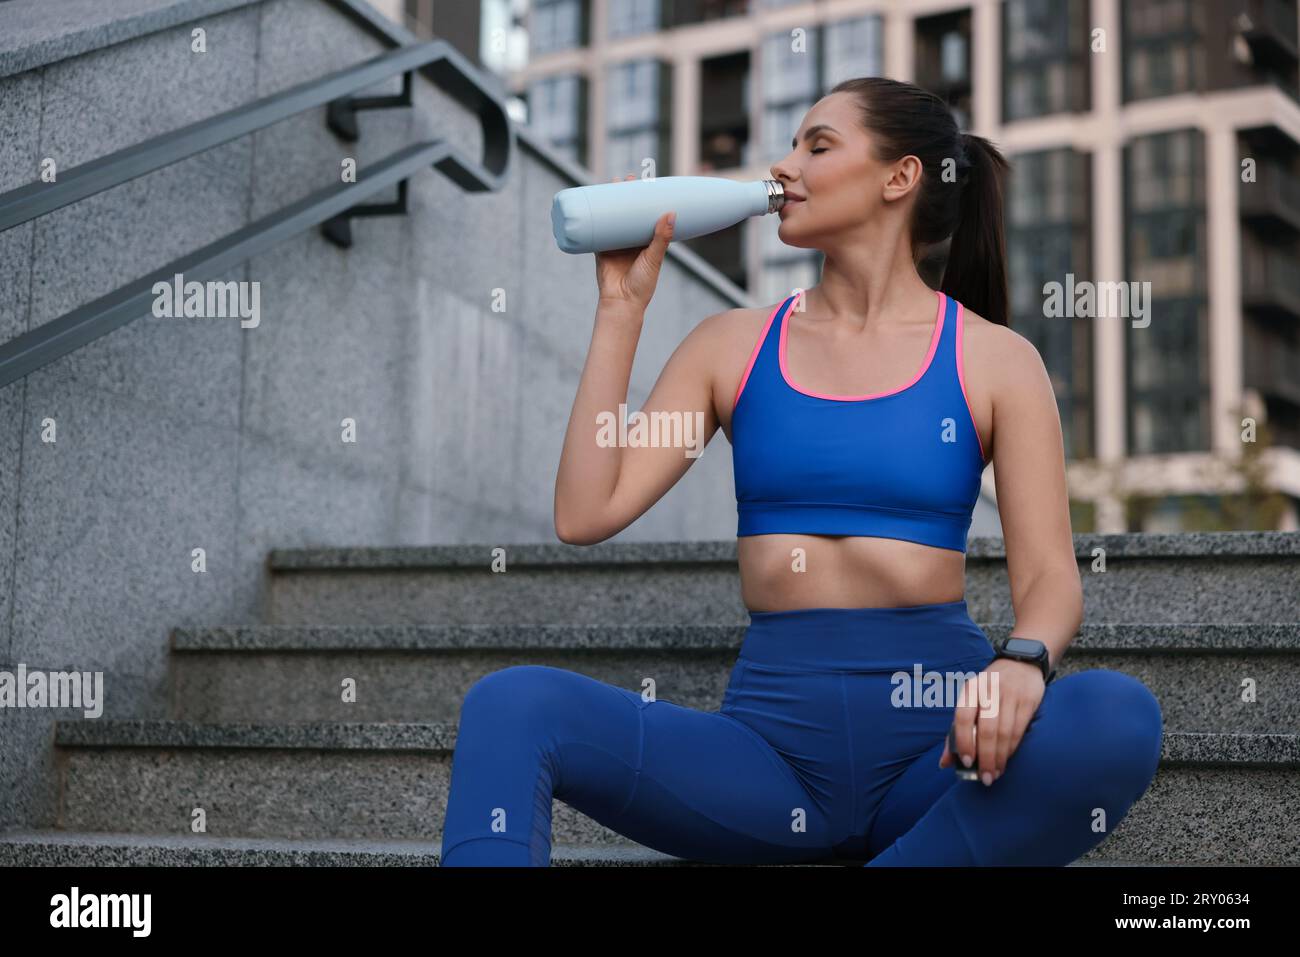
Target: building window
[(557, 112), (1163, 47), (791, 85), (634, 17), (852, 48), (1187, 46), (1167, 361), (797, 71), (558, 25), (943, 60), (638, 117), (800, 69), (1045, 57), (1049, 239), (724, 112), (699, 11), (503, 40)]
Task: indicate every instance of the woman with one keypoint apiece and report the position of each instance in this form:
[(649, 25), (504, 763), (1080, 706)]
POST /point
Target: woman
[(861, 413)]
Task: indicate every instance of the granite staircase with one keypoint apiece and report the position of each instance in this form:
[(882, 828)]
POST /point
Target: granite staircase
[(288, 773)]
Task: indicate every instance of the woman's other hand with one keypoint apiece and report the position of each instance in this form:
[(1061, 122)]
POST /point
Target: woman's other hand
[(1011, 693)]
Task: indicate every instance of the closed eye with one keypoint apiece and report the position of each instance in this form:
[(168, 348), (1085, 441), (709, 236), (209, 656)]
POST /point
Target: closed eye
[(820, 149)]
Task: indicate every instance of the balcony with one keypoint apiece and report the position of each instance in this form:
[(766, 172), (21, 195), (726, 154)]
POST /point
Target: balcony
[(1270, 27), (1273, 200), (1270, 279), (1271, 366)]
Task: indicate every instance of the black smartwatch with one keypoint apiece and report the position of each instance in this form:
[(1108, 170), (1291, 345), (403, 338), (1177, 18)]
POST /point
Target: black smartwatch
[(1026, 649)]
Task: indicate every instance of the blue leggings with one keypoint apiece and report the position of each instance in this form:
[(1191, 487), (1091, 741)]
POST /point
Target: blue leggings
[(816, 753)]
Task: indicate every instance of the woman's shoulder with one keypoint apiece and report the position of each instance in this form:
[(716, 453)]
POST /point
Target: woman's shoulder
[(725, 341), (997, 348), (746, 315), (997, 342), (737, 325)]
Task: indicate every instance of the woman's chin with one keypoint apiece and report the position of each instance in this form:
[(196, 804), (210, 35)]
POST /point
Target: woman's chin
[(793, 236)]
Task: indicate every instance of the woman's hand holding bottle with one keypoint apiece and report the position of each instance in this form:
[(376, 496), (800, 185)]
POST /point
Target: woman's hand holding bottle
[(627, 277)]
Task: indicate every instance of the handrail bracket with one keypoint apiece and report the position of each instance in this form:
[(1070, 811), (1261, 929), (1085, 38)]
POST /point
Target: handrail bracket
[(341, 114), (338, 229)]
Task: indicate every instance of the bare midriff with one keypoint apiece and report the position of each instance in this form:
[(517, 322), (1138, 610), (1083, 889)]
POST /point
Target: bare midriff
[(786, 571)]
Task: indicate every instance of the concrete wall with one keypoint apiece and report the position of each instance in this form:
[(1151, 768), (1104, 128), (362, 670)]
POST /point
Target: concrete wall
[(176, 434)]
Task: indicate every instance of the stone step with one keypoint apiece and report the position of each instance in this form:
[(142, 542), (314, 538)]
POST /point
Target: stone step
[(294, 673), (1201, 577), (1226, 798), (53, 848)]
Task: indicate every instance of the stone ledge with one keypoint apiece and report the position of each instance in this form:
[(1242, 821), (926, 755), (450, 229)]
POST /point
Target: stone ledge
[(1179, 747), (91, 848), (1128, 545), (1161, 638)]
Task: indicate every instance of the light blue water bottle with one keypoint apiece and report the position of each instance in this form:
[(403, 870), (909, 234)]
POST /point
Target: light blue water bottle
[(604, 216)]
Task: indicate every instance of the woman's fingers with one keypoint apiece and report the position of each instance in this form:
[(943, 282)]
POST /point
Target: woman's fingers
[(989, 731), (963, 720), (989, 741), (658, 246)]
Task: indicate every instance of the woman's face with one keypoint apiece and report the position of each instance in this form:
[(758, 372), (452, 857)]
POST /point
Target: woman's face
[(835, 171)]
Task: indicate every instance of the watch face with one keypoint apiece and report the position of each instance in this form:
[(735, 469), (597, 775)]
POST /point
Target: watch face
[(1024, 646)]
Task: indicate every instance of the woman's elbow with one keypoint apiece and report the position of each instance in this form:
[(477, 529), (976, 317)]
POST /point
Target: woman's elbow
[(576, 534), (565, 533), (1071, 590)]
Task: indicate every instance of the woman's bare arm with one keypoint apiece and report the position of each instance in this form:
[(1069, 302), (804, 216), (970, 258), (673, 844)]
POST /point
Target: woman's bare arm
[(602, 487), (1033, 502)]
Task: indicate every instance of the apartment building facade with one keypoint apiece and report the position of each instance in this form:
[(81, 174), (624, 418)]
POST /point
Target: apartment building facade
[(1152, 141)]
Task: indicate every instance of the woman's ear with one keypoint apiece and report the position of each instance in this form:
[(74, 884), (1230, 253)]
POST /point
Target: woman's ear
[(904, 175)]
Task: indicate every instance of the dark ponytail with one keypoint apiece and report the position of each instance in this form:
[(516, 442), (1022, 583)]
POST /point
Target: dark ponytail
[(961, 187), (976, 274)]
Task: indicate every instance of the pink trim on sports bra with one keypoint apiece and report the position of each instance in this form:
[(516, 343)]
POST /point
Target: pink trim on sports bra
[(961, 380), (929, 358), (753, 356)]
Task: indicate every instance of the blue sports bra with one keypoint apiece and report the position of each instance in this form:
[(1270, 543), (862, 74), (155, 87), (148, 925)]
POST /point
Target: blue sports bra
[(904, 464)]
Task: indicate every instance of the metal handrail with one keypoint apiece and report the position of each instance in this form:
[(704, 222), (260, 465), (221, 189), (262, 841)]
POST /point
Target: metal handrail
[(74, 329), (438, 60), (36, 199)]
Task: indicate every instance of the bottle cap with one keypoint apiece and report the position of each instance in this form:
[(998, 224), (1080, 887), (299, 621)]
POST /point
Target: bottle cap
[(775, 194)]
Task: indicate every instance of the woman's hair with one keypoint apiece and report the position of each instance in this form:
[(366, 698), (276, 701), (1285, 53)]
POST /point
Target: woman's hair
[(966, 204)]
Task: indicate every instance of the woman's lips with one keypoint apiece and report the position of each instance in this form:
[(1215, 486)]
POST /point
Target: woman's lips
[(789, 202)]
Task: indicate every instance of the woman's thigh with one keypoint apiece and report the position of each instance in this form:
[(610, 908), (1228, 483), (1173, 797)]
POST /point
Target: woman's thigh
[(687, 782)]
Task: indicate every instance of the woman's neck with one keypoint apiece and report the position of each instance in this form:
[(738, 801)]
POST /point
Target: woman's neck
[(865, 289)]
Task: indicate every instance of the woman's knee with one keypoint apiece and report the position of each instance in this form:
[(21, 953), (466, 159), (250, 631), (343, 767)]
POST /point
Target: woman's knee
[(519, 691), (1119, 716)]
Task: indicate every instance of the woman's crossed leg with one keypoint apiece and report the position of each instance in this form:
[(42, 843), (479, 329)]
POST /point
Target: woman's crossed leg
[(1088, 754)]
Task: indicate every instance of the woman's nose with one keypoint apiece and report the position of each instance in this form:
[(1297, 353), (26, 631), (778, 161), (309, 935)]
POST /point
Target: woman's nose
[(778, 169)]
